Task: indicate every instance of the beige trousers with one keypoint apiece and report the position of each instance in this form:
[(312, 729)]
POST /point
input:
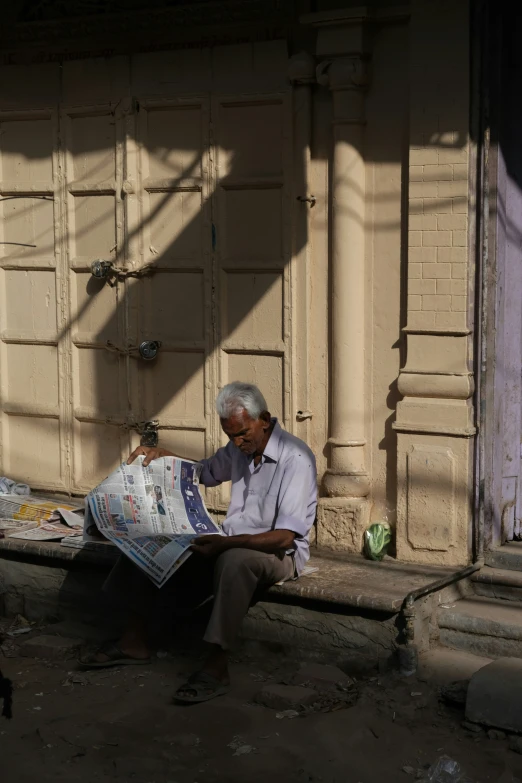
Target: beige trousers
[(232, 579)]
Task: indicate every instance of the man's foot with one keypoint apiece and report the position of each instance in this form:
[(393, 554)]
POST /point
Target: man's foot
[(200, 687), (216, 664), (213, 680), (111, 654)]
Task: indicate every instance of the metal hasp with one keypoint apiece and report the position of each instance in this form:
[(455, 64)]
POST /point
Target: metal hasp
[(308, 200), (149, 433), (101, 270), (148, 349)]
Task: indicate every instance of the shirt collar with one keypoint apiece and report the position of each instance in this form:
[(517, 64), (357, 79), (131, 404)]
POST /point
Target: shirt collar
[(272, 447)]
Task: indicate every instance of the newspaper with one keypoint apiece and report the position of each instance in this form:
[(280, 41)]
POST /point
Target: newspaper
[(152, 513), (47, 532), (31, 508)]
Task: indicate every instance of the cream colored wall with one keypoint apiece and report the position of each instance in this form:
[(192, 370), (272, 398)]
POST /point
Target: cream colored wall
[(410, 114), (435, 419), (415, 217), (360, 485)]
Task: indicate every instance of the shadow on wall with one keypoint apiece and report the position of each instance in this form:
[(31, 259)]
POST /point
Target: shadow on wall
[(148, 184), (209, 222)]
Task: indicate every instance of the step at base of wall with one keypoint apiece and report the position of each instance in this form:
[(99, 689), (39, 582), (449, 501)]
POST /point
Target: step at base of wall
[(498, 583), (483, 646), (507, 557), (483, 626)]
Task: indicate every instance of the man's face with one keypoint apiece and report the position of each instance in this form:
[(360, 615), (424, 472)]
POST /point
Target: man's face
[(249, 435)]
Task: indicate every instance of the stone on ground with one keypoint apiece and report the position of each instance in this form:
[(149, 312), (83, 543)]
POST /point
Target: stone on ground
[(50, 647), (495, 695), (455, 692), (285, 697), (496, 734), (321, 675), (515, 744)]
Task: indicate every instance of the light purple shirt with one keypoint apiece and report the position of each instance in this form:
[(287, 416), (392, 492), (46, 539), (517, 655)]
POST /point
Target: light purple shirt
[(279, 494)]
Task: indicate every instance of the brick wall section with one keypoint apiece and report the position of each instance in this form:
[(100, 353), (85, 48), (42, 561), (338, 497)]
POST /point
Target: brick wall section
[(438, 166)]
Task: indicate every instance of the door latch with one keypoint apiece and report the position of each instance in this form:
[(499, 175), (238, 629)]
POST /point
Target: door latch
[(308, 200), (101, 270), (148, 349), (149, 433)]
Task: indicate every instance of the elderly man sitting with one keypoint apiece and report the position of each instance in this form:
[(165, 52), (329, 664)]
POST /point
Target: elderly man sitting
[(271, 512)]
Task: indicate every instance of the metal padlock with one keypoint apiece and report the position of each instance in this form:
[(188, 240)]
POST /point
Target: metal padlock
[(149, 349), (149, 434), (101, 269)]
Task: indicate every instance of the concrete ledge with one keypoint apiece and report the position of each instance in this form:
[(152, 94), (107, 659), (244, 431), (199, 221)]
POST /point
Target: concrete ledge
[(346, 612), (342, 580), (352, 581), (17, 548)]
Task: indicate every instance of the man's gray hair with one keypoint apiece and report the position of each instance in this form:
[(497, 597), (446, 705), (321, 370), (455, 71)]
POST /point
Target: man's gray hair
[(236, 396)]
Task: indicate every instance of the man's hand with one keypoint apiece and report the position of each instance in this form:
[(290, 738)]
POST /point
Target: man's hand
[(149, 454), (210, 546)]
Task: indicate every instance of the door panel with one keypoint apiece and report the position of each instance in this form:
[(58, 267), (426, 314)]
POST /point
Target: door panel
[(174, 305), (30, 361), (174, 301), (28, 226), (93, 184), (189, 197), (30, 304)]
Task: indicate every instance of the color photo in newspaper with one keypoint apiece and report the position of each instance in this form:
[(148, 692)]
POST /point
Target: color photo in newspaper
[(152, 513)]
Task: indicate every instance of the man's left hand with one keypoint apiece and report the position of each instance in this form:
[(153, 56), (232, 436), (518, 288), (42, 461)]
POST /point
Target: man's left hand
[(209, 546)]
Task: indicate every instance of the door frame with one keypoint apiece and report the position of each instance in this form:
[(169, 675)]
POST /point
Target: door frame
[(499, 285)]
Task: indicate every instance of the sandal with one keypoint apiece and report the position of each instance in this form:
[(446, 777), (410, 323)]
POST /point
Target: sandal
[(115, 657), (199, 687)]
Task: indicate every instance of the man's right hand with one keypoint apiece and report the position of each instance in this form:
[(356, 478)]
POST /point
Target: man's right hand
[(149, 454)]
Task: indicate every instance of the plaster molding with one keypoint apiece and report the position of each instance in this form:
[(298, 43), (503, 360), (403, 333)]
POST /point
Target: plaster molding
[(435, 429), (344, 73), (359, 14), (435, 416), (452, 332), (302, 69), (445, 386)]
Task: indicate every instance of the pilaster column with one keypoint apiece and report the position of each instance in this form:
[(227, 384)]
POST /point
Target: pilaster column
[(347, 476), (342, 50)]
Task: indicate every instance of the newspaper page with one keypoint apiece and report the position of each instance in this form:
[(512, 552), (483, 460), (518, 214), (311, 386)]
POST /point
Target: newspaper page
[(31, 508), (152, 513), (47, 531)]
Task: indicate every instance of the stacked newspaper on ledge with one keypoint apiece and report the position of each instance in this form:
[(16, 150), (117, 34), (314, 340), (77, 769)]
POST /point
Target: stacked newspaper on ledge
[(151, 513), (34, 518)]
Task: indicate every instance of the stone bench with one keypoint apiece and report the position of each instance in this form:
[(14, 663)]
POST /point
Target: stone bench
[(346, 609)]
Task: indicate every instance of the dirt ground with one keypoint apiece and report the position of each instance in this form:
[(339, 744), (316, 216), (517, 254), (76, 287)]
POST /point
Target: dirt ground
[(120, 724)]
